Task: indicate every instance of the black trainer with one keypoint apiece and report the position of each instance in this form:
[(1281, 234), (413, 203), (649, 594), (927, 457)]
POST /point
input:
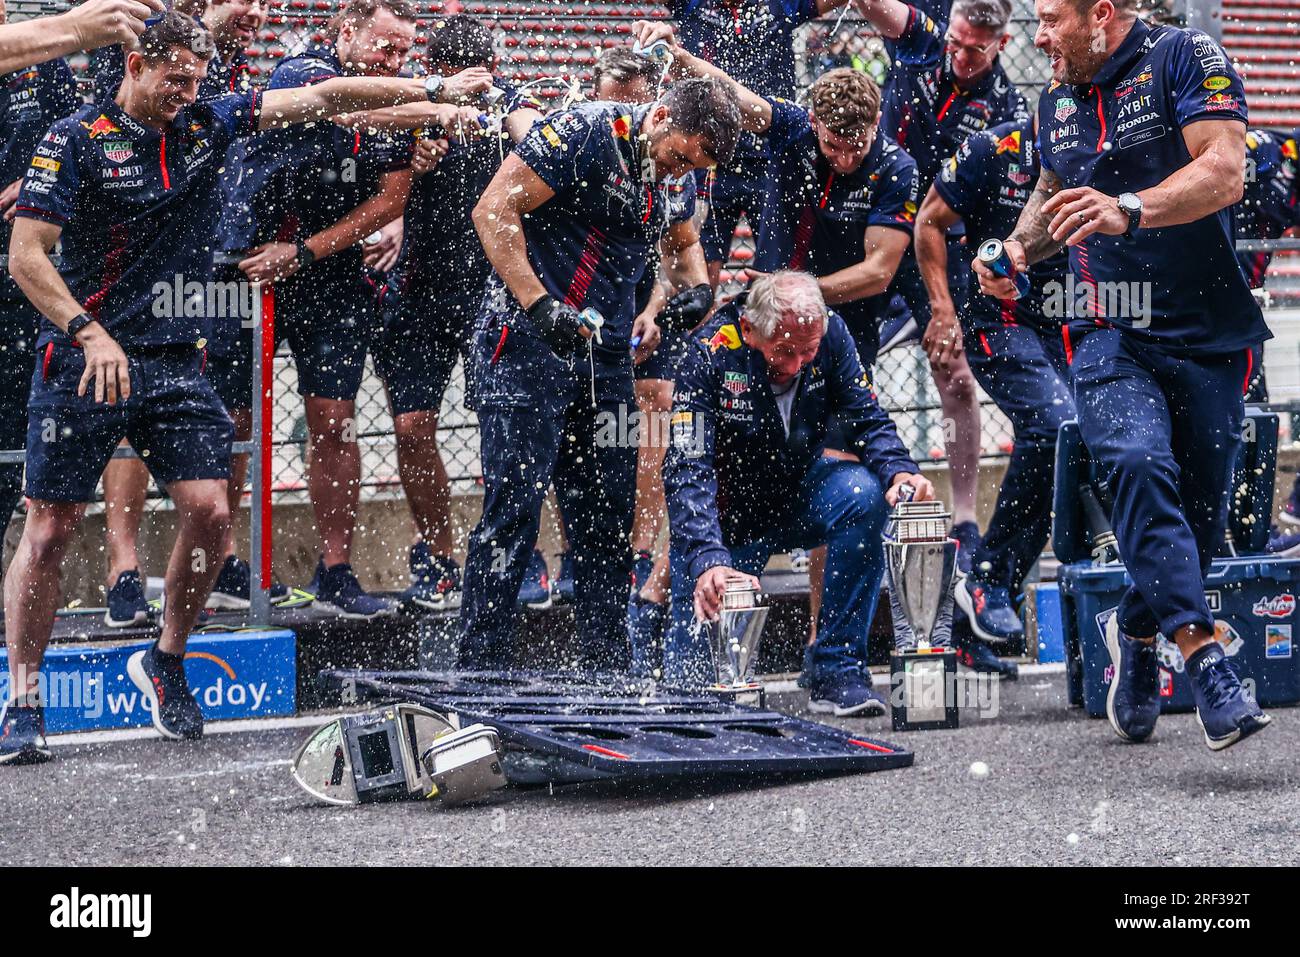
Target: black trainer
[(161, 679)]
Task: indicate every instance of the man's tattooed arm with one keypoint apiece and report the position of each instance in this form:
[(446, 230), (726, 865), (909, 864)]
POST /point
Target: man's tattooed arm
[(1031, 229)]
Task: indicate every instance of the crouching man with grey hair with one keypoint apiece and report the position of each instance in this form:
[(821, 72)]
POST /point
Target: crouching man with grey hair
[(745, 477)]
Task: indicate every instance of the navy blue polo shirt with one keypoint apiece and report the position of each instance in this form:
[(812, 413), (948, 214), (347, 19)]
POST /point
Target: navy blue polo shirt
[(33, 98), (439, 214), (817, 220), (987, 183), (925, 110), (108, 67), (136, 206), (591, 243), (1180, 287), (752, 41), (301, 179), (1270, 204), (680, 195)]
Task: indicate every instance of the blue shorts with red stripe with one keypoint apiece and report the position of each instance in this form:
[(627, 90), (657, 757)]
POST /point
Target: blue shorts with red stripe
[(173, 419)]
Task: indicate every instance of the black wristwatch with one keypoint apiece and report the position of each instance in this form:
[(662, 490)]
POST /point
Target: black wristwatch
[(79, 322), (305, 257), (1131, 205)]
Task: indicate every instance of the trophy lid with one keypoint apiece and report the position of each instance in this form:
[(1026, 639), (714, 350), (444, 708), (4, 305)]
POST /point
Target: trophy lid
[(920, 522), (739, 594)]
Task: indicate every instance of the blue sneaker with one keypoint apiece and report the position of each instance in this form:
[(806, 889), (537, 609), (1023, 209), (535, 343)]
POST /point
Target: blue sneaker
[(806, 672), (846, 693), (435, 580), (1133, 699), (989, 610), (535, 591), (161, 680), (234, 584), (1226, 711), (562, 588), (968, 539), (341, 593), (127, 605), (977, 656), (22, 735), (645, 631), (313, 586)]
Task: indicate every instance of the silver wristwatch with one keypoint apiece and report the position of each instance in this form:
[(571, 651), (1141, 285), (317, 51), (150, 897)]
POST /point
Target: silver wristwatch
[(1131, 206), (433, 87)]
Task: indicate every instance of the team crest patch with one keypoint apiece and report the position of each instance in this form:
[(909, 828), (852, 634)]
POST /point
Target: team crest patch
[(118, 151), (727, 336), (101, 127), (1065, 108), (737, 383)]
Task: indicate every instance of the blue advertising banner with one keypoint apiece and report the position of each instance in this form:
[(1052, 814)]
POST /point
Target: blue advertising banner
[(232, 675)]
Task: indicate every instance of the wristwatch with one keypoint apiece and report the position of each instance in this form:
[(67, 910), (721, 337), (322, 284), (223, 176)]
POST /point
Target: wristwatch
[(79, 322), (305, 257), (433, 87), (1131, 206)]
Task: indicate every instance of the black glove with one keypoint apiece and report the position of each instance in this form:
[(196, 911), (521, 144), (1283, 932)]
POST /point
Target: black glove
[(686, 310), (558, 324)]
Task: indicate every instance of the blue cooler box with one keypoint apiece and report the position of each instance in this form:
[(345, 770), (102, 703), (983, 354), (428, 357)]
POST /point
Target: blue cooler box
[(1253, 600)]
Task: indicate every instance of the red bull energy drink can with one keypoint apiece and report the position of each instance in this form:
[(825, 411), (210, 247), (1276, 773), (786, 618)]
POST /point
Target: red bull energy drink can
[(994, 255)]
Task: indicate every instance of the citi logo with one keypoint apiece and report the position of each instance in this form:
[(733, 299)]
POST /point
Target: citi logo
[(77, 910)]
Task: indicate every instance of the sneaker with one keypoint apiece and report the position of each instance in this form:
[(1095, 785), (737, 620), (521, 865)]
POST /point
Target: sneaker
[(645, 631), (127, 605), (535, 592), (806, 673), (1133, 699), (1283, 544), (22, 735), (234, 585), (989, 610), (340, 592), (161, 679), (562, 588), (435, 580), (1289, 514), (977, 656), (313, 586), (845, 693), (1226, 711), (968, 539)]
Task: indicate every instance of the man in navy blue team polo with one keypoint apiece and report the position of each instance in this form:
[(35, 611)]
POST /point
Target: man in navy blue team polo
[(1143, 143), (1271, 204), (746, 476), (233, 25), (751, 41), (1015, 349), (946, 83), (130, 188), (623, 76), (305, 199), (30, 100), (592, 184)]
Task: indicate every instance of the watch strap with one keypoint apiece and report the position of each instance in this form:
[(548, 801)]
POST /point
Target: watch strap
[(79, 322)]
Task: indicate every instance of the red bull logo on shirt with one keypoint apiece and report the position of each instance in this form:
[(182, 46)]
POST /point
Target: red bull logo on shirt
[(101, 127)]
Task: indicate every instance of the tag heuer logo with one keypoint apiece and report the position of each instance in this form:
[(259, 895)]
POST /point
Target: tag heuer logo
[(1065, 108), (1014, 174), (736, 382), (118, 151)]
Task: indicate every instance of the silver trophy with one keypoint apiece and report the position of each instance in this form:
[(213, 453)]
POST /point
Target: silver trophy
[(734, 640), (920, 570)]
